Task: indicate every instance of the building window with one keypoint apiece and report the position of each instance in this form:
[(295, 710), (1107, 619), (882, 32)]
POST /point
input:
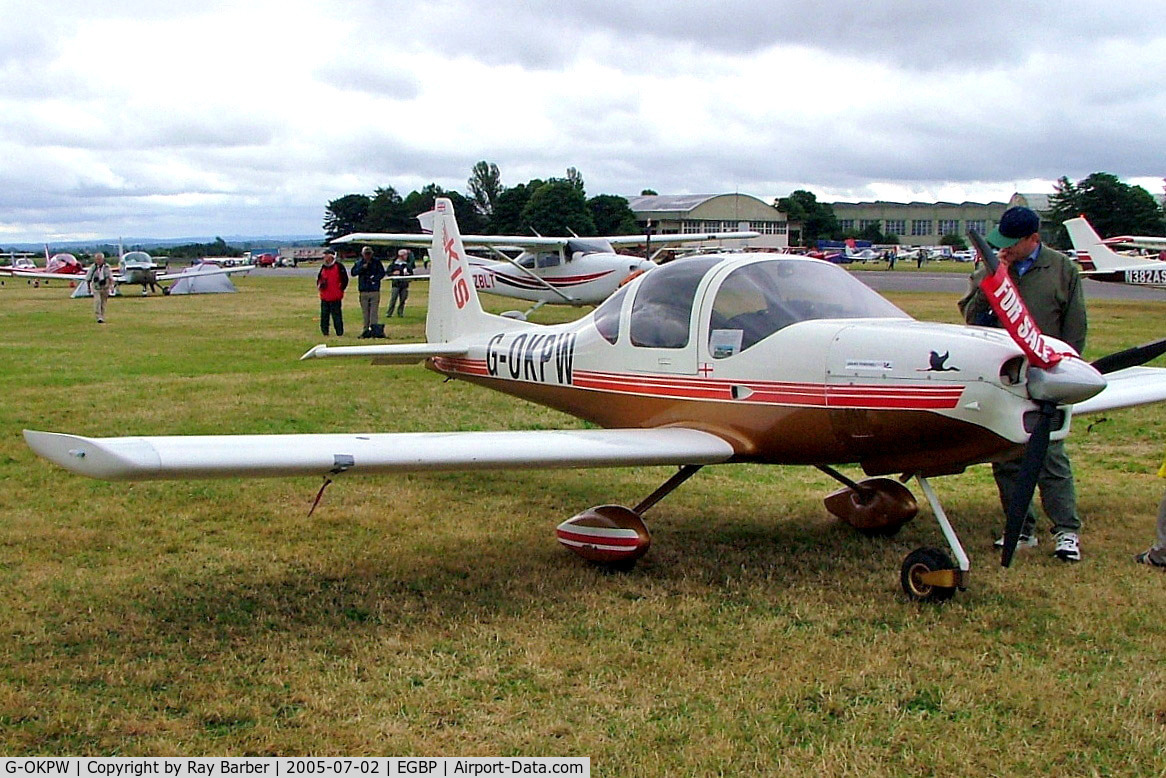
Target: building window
[(690, 227), (921, 226), (846, 225), (949, 226), (978, 225), (780, 228), (865, 224), (896, 227)]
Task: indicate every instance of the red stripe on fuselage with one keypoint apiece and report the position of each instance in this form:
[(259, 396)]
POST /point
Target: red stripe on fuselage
[(900, 397)]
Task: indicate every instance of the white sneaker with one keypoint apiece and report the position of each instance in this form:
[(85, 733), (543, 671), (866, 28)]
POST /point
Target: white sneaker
[(1068, 547), (1025, 541)]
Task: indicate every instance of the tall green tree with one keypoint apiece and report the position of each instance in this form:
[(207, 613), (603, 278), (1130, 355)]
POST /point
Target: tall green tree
[(386, 212), (1111, 206), (507, 216), (817, 219), (485, 186), (575, 179), (612, 216), (345, 214), (468, 219), (558, 207)]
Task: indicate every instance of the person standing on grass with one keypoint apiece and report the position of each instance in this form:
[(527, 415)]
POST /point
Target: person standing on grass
[(369, 271), (332, 280), (1051, 288), (402, 266), (100, 280)]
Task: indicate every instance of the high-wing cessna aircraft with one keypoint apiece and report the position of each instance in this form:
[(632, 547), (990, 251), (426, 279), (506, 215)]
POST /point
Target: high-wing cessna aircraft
[(727, 358), (1100, 262), (555, 271)]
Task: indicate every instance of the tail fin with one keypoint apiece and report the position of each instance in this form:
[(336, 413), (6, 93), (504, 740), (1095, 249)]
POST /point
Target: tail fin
[(454, 309), (1091, 251)]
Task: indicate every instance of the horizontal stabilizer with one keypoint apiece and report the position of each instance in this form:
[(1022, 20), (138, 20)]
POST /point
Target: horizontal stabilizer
[(388, 353), (228, 456)]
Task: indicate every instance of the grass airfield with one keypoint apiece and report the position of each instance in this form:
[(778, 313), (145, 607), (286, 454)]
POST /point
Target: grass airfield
[(436, 615)]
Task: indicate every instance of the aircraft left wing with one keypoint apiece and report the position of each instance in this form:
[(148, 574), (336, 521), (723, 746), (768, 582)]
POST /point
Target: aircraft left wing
[(1127, 388), (42, 275), (229, 456)]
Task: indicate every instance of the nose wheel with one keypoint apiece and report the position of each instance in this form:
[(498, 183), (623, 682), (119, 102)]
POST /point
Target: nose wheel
[(927, 575)]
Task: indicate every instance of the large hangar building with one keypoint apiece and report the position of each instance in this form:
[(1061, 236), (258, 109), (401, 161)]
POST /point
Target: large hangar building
[(919, 224), (691, 214)]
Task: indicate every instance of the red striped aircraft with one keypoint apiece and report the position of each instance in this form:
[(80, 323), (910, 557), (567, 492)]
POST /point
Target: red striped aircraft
[(758, 358)]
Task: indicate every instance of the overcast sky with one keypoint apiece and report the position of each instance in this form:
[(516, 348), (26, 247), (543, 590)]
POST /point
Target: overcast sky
[(163, 119)]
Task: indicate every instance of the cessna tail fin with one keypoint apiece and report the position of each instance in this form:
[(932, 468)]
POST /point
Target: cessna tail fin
[(1091, 251)]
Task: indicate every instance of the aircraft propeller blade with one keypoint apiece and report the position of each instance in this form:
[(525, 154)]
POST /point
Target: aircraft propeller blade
[(1025, 485), (986, 252), (1131, 357)]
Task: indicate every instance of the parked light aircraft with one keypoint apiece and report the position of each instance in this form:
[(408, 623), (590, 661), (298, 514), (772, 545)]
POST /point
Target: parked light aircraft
[(555, 271), (743, 357), (855, 254), (62, 265), (135, 268), (1101, 263)]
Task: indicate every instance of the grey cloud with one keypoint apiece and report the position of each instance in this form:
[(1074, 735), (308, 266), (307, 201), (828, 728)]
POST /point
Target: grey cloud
[(363, 75)]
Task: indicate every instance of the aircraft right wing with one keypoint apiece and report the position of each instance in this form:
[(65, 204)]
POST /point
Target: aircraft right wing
[(229, 456), (188, 273), (423, 241), (676, 237)]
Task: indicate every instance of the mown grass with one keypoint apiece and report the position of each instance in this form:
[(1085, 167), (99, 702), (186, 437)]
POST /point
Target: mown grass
[(435, 614)]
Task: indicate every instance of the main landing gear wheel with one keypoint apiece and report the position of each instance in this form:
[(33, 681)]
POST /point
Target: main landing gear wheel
[(920, 565)]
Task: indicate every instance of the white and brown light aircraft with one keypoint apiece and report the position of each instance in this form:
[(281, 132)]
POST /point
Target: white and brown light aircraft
[(553, 270), (757, 358), (1101, 263)]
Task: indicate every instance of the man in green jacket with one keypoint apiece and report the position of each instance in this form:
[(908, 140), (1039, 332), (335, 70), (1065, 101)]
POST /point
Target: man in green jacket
[(1051, 287)]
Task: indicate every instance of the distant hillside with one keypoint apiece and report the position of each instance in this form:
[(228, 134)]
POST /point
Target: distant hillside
[(244, 242)]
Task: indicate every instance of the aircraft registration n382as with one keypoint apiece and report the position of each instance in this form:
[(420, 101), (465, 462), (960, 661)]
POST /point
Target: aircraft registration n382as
[(726, 358)]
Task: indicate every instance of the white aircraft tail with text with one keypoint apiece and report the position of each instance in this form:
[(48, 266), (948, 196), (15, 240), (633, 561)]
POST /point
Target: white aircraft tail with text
[(454, 308)]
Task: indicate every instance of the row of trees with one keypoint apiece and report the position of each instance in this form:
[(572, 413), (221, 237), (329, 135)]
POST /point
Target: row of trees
[(559, 206), (555, 206), (1111, 206)]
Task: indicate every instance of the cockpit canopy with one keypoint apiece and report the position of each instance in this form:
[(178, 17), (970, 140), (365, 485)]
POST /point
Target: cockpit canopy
[(137, 258), (755, 299)]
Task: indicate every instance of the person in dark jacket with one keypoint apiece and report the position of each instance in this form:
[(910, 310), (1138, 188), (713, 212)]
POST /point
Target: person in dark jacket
[(369, 271), (1052, 292), (332, 280), (402, 266)]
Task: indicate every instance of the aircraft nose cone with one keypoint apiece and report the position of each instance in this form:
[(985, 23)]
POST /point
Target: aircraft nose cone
[(1069, 381)]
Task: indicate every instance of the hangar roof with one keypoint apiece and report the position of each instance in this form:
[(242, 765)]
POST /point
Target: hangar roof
[(668, 202)]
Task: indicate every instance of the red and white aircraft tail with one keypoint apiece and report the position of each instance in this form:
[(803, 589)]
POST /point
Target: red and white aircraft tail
[(454, 308), (1095, 256)]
